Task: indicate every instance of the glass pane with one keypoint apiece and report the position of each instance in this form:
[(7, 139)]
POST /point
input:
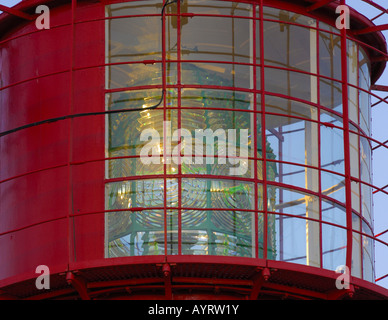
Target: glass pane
[(334, 239), (366, 191), (332, 149), (217, 39), (141, 193), (221, 193), (129, 167), (328, 27), (356, 196), (298, 176), (299, 139), (291, 239), (225, 233), (172, 231), (293, 84), (125, 131), (368, 254), (134, 8), (333, 246), (135, 233), (356, 251), (219, 8), (217, 74), (288, 46), (220, 139), (288, 107), (207, 98), (303, 205), (333, 186), (331, 94), (333, 213), (364, 97), (366, 198), (138, 74), (297, 203), (331, 119), (365, 162), (136, 99), (330, 55), (142, 43), (352, 51), (287, 16)]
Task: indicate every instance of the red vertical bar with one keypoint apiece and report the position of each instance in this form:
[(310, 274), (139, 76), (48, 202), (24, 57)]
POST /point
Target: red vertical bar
[(345, 106), (164, 129), (255, 117), (319, 143), (281, 217), (263, 135), (179, 127), (70, 142), (359, 159)]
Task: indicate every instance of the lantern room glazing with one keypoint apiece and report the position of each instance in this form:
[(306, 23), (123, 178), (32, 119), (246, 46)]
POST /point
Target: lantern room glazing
[(224, 65)]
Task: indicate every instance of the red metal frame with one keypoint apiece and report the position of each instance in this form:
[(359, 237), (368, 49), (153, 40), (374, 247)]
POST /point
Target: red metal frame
[(16, 13), (260, 280)]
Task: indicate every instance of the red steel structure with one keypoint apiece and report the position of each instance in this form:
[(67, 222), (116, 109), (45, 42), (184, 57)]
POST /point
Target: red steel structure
[(76, 197)]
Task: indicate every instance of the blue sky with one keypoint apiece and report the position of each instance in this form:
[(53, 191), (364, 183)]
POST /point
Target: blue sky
[(379, 132)]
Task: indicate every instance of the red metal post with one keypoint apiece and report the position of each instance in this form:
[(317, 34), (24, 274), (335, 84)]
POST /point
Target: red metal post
[(345, 108)]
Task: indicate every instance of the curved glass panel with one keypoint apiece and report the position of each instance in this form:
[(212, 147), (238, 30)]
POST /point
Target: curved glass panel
[(247, 142)]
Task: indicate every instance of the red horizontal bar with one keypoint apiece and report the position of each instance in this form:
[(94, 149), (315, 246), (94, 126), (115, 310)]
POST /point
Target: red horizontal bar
[(379, 59), (380, 87), (382, 27), (17, 13), (318, 5)]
